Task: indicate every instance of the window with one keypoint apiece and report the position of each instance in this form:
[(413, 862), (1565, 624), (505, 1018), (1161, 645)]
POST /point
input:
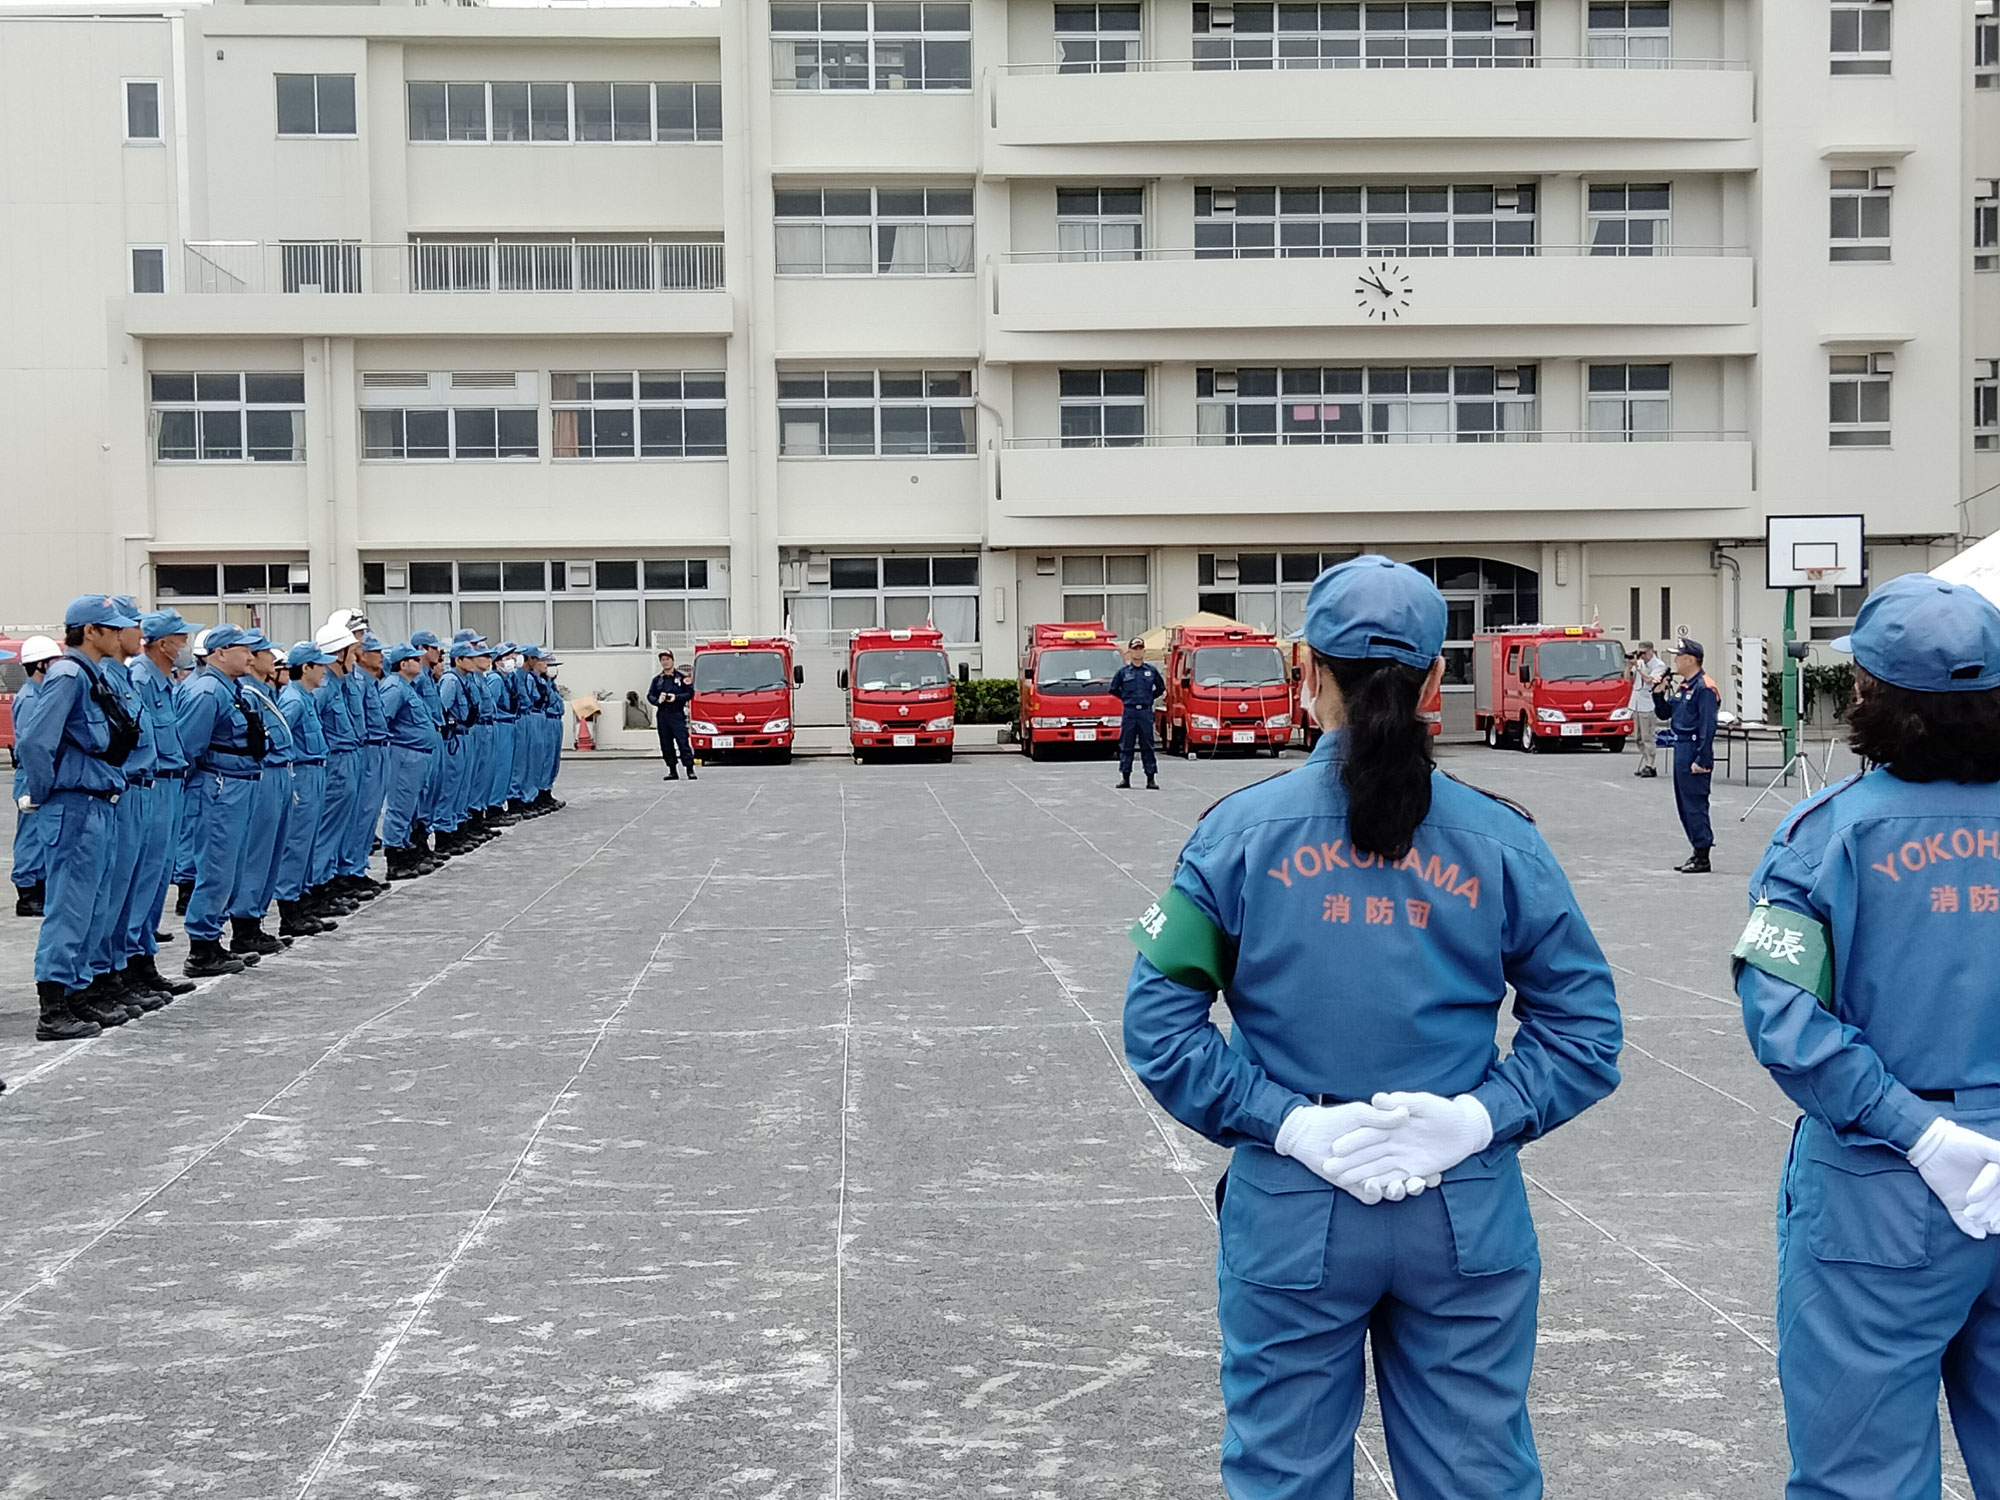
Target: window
[(635, 113), (1366, 404), (871, 44), (149, 268), (894, 592), (574, 605), (1479, 594), (1629, 403), (874, 231), (268, 595), (871, 413), (462, 432), (1986, 406), (1261, 222), (1985, 52), (1629, 34), (1860, 38), (1860, 224), (1986, 226), (142, 109), (1264, 589), (1631, 218), (1467, 34), (229, 418), (1100, 223), (1102, 408), (1096, 38), (1109, 588), (315, 104), (1858, 400), (639, 413)]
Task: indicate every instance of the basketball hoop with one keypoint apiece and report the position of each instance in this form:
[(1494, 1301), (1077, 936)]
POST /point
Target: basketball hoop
[(1821, 579)]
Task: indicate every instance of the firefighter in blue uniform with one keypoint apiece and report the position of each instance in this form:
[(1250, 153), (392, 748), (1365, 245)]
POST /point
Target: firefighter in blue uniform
[(1866, 976), (670, 692), (413, 742), (129, 824), (298, 914), (343, 731), (224, 736), (430, 652), (1137, 685), (364, 685), (1696, 702), (271, 808), (500, 770), (459, 696), (165, 635), (30, 849), (1364, 917), (552, 762)]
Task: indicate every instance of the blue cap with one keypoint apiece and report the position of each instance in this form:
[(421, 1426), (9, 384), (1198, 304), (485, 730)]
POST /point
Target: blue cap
[(255, 639), (161, 623), (424, 638), (1370, 607), (465, 648), (99, 609), (370, 641), (129, 604), (505, 648), (1688, 646), (460, 637), (1927, 635), (399, 653), (531, 651), (226, 634), (306, 654)]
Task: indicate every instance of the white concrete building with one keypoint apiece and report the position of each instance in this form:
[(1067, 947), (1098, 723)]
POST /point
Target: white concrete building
[(601, 325)]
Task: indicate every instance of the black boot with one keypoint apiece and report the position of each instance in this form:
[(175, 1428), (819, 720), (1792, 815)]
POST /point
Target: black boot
[(58, 1022), (206, 959), (28, 899), (691, 777), (109, 990), (181, 894), (1125, 782), (1152, 783), (144, 972), (247, 935), (403, 863), (295, 922), (1697, 864), (92, 1004), (138, 992), (164, 937)]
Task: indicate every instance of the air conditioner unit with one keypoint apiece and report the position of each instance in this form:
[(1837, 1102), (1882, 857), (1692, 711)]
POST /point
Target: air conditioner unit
[(396, 577), (1225, 569), (1506, 15), (818, 570), (1882, 364), (1507, 198), (663, 640), (298, 576), (582, 575), (1506, 379), (1982, 7), (1225, 382), (1222, 18), (1222, 201)]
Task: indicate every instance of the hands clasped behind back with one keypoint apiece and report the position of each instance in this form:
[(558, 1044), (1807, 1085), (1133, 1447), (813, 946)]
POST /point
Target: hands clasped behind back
[(1392, 1147)]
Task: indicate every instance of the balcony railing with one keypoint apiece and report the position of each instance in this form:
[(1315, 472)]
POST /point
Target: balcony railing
[(1376, 252), (1376, 64), (1376, 439), (457, 265)]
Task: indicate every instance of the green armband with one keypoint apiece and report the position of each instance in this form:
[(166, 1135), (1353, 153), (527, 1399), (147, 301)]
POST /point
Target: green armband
[(1790, 947), (1183, 944)]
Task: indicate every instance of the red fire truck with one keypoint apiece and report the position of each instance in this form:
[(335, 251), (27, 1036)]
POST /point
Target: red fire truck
[(743, 696), (1066, 696), (1539, 685), (11, 678), (1431, 710), (1227, 687), (899, 692)]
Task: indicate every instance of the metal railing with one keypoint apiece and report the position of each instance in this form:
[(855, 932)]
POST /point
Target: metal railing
[(452, 265), (1392, 439), (1381, 252), (1379, 64)]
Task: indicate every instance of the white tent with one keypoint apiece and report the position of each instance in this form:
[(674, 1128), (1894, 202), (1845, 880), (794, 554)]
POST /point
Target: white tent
[(1978, 566)]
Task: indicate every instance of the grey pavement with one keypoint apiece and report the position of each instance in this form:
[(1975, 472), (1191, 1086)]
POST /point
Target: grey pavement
[(770, 1137)]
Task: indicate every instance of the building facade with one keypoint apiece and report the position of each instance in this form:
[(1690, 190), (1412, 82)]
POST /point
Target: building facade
[(619, 328)]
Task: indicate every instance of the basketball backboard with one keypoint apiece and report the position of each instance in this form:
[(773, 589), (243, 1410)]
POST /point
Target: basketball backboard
[(1812, 551)]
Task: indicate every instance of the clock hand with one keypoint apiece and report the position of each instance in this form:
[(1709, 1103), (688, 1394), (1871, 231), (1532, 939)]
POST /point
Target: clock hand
[(1378, 286)]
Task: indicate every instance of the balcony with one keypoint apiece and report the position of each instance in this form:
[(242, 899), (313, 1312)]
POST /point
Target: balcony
[(1184, 103), (439, 286), (1042, 301)]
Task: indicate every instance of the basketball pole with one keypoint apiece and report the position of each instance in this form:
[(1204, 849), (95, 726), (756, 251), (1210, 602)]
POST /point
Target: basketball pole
[(1789, 681)]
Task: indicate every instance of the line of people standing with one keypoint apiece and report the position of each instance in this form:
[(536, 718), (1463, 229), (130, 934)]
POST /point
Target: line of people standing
[(243, 772)]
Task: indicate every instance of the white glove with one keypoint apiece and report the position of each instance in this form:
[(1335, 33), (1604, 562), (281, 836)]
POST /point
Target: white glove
[(1310, 1131), (1951, 1160), (1438, 1135), (1982, 1199)]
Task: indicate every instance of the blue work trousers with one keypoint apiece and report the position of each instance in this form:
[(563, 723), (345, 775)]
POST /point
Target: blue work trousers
[(256, 864), (500, 773), (109, 922), (407, 771), (554, 763), (156, 853), (1135, 730), (336, 813), (31, 852), (1444, 1288), (1691, 798), (78, 833), (187, 837), (1881, 1297), (674, 740), (521, 785), (427, 799), (223, 811), (296, 859), (372, 772)]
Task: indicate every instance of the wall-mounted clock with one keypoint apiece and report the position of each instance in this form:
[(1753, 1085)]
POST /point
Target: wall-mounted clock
[(1383, 291)]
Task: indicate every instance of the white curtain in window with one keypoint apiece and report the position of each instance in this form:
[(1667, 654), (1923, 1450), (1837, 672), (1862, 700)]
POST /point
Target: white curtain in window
[(957, 616), (617, 622), (847, 250), (950, 247), (902, 249), (854, 613), (1126, 614), (388, 618), (801, 249), (436, 618), (291, 623), (906, 611), (707, 617), (1258, 607), (522, 621)]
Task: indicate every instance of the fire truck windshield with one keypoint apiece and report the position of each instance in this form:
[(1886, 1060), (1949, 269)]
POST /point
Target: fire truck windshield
[(739, 672), (1580, 661), (900, 671), (1077, 669), (1238, 666)]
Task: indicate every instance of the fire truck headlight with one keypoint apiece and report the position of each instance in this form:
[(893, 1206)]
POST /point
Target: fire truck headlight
[(936, 725), (1551, 715), (1203, 721), (1049, 723), (1621, 713), (777, 726), (1111, 721), (868, 726), (702, 726), (1278, 721)]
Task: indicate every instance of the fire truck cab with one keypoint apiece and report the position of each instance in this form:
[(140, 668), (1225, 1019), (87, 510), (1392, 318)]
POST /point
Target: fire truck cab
[(12, 675), (1541, 685), (899, 692), (743, 696), (1228, 687), (1066, 696)]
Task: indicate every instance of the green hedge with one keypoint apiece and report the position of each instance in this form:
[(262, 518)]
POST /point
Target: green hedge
[(1834, 684), (988, 700)]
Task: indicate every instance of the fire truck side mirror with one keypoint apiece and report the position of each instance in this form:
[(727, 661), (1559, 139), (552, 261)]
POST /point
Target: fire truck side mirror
[(798, 676), (842, 680), (1527, 673), (1298, 674), (965, 671)]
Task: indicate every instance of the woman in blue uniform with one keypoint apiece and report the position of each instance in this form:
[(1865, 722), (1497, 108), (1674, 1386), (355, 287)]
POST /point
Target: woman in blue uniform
[(1867, 981), (1363, 917)]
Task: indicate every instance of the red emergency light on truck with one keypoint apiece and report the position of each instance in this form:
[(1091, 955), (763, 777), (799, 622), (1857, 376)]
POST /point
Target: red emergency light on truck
[(1227, 686), (743, 696), (1431, 710), (1549, 684), (899, 692), (1066, 696)]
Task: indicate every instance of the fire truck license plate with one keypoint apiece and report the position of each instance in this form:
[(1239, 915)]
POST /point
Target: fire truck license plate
[(1572, 729), (725, 741), (1242, 737), (1085, 736), (902, 740)]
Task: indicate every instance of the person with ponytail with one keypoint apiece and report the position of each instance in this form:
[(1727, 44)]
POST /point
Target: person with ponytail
[(1363, 917)]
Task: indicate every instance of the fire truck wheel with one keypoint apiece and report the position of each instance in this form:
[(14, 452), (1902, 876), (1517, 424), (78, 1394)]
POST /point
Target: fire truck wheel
[(1615, 743), (1032, 750), (1492, 734), (1529, 745), (943, 756)]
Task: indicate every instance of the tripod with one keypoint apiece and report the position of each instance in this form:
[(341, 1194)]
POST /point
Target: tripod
[(1802, 763)]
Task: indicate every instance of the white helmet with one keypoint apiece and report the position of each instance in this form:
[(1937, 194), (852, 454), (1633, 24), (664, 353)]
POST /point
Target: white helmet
[(199, 645), (334, 637), (39, 648)]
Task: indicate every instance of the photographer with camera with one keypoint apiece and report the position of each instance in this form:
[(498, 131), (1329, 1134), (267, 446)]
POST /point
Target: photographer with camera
[(1649, 682)]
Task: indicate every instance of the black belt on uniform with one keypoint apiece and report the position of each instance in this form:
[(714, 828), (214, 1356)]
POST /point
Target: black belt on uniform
[(139, 778), (307, 760), (170, 775)]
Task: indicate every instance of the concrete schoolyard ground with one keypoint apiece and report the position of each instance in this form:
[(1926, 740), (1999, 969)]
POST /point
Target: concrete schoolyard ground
[(770, 1136)]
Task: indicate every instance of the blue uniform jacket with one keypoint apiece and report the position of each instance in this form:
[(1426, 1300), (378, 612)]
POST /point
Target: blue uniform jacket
[(412, 722), (499, 684), (1137, 687), (670, 693), (214, 724), (279, 749), (428, 686), (156, 691), (1695, 705), (144, 759), (59, 739), (302, 717), (458, 699), (552, 701), (1355, 975), (1906, 877), (336, 714), (367, 690)]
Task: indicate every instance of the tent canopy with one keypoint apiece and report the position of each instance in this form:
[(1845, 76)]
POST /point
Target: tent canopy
[(1978, 567), (1156, 638)]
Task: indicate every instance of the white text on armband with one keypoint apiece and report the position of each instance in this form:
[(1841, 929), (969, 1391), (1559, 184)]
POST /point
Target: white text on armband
[(1311, 861)]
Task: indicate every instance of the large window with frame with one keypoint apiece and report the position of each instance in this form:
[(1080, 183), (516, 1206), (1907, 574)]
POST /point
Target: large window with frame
[(1265, 589), (1859, 43), (270, 595), (316, 104), (871, 44), (1249, 223), (1480, 593), (1986, 52), (1630, 218), (569, 604), (1099, 38), (1100, 223), (882, 231), (1629, 34), (1986, 406), (228, 416), (1112, 587), (634, 113), (875, 413), (1858, 400), (1629, 403), (895, 591), (459, 432), (1377, 34), (142, 109), (1859, 220), (1986, 225), (1345, 404), (638, 414), (1102, 408)]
